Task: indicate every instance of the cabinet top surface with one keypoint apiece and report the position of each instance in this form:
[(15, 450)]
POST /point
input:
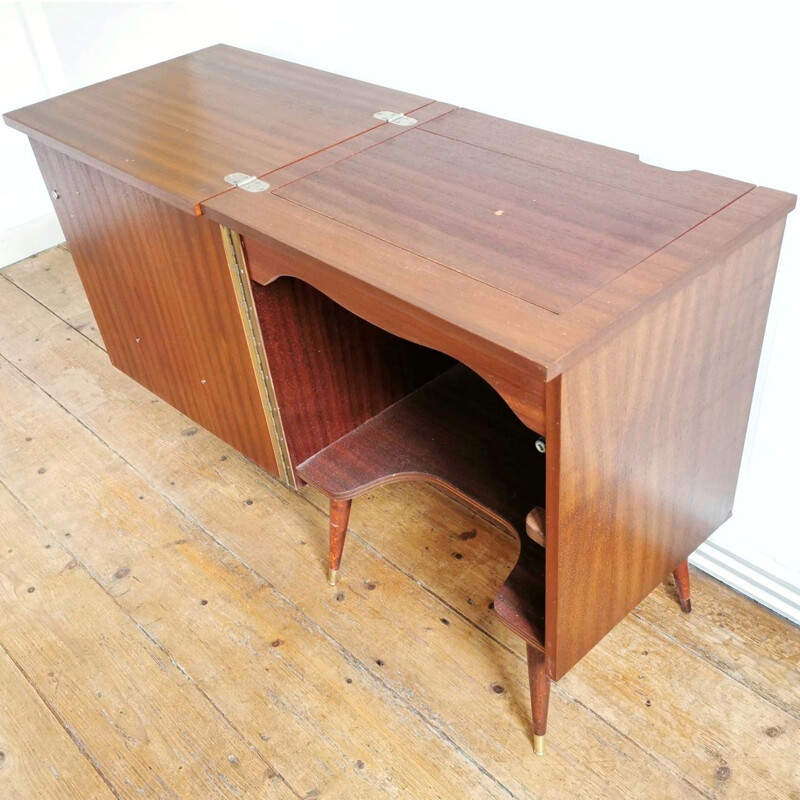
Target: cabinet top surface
[(529, 241)]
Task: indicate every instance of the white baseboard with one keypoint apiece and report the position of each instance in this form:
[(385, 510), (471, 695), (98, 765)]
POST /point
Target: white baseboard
[(29, 238), (765, 588)]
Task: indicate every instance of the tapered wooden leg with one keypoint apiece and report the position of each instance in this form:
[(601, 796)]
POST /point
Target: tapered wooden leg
[(540, 697), (340, 514), (681, 576)]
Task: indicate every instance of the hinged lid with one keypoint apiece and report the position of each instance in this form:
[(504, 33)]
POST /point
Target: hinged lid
[(175, 129), (498, 212)]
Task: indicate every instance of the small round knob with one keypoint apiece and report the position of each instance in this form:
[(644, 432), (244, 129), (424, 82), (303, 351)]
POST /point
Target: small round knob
[(540, 445), (54, 194)]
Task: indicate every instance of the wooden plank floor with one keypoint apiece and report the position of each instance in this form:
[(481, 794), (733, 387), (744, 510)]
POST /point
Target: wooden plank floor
[(166, 629)]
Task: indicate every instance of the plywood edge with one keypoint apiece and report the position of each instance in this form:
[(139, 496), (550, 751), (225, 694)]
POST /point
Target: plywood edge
[(552, 495), (234, 253)]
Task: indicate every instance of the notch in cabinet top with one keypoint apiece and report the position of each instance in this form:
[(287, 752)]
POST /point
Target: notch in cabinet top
[(177, 128)]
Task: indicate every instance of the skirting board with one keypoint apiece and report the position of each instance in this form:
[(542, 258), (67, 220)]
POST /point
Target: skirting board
[(29, 238), (772, 592)]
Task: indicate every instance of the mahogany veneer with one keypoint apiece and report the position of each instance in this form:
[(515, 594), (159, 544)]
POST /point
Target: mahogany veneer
[(179, 336), (536, 233), (344, 380), (455, 431), (177, 128), (614, 308)]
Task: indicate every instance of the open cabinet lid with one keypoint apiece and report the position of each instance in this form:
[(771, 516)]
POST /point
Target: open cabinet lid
[(178, 128)]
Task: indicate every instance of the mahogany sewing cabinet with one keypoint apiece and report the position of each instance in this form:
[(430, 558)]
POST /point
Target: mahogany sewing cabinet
[(353, 285)]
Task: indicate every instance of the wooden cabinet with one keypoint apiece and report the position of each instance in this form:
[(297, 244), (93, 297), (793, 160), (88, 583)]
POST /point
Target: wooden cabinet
[(395, 288)]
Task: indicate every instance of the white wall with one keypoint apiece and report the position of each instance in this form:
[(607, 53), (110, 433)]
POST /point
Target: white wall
[(27, 222), (708, 85)]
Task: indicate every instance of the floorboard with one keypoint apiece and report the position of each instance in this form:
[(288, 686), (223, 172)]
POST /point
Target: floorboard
[(201, 588), (148, 732), (27, 726)]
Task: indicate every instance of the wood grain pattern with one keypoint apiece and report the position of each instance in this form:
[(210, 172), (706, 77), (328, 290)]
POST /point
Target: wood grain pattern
[(512, 343), (542, 235), (650, 439), (114, 688), (161, 291), (358, 144), (730, 730), (391, 717), (756, 640), (331, 370), (43, 276), (535, 525), (37, 756), (691, 189), (177, 128), (456, 432), (516, 379), (682, 586), (339, 515), (694, 726), (540, 690), (639, 369)]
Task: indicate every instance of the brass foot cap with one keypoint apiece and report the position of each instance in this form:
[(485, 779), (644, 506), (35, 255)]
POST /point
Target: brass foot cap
[(333, 577), (538, 744)]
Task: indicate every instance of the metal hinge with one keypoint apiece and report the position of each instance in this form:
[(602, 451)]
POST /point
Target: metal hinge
[(247, 182), (394, 118)]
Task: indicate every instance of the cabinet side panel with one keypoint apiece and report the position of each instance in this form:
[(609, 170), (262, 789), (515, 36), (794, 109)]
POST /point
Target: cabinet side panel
[(652, 430), (160, 287)]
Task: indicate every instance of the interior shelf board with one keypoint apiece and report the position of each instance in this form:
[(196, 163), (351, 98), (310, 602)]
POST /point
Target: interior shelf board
[(458, 433)]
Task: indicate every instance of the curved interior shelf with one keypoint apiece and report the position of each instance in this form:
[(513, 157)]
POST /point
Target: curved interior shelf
[(458, 433)]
